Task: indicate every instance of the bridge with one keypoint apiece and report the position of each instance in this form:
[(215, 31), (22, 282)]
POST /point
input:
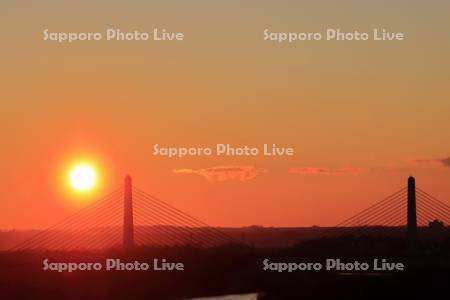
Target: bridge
[(409, 208), (131, 217)]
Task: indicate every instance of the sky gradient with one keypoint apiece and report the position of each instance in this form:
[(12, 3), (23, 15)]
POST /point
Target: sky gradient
[(362, 116)]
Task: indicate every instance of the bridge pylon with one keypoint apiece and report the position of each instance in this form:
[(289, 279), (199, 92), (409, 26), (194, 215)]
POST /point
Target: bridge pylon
[(411, 228), (128, 226)]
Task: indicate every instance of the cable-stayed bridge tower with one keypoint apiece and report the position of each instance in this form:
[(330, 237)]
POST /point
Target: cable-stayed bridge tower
[(128, 225), (411, 226)]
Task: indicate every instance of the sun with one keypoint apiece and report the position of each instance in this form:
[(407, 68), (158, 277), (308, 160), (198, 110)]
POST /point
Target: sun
[(83, 178)]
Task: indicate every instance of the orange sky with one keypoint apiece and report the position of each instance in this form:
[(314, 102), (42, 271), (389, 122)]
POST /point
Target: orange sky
[(359, 115)]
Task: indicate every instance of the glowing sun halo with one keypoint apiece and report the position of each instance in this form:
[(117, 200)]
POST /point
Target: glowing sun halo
[(83, 178)]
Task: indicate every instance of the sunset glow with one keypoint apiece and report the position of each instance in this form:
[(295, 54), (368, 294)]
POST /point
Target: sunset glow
[(360, 116)]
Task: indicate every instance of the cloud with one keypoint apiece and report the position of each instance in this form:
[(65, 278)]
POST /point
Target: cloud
[(325, 171), (224, 173), (444, 162)]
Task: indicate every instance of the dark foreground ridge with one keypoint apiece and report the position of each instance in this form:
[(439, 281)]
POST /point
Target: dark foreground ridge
[(233, 269)]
